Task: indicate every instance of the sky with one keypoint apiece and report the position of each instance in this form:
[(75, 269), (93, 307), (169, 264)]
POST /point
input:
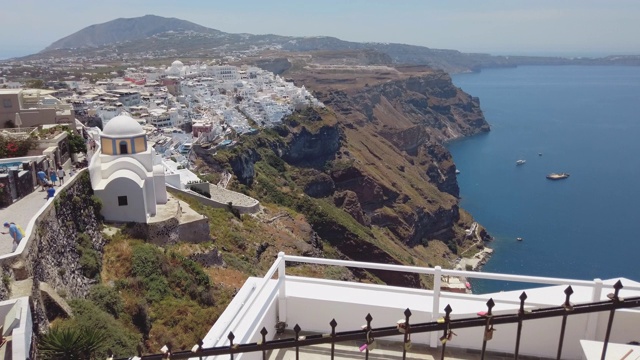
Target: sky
[(517, 27)]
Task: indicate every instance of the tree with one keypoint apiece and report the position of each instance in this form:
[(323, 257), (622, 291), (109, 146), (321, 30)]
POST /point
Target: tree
[(35, 84), (71, 343), (76, 143)]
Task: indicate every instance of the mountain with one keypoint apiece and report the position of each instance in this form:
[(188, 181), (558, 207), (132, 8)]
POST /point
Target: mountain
[(121, 30), (159, 37)]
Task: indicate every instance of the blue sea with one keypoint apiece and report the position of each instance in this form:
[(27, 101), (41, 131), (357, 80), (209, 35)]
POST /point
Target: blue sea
[(584, 121)]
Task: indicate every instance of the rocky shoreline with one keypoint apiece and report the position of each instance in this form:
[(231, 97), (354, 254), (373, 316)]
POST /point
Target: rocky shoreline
[(476, 262)]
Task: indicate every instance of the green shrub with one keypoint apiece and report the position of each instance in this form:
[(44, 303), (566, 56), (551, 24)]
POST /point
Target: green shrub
[(274, 161), (77, 201), (180, 280), (90, 263), (206, 297), (238, 240), (76, 143), (233, 210), (6, 281), (89, 317), (201, 278), (107, 298), (120, 284), (84, 241), (71, 343), (157, 287), (146, 261), (96, 204)]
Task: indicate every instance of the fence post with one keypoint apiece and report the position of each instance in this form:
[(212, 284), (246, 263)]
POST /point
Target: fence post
[(592, 320), (282, 292), (435, 309)]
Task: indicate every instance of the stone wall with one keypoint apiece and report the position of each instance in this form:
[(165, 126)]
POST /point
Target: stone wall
[(52, 254), (170, 231), (195, 231)]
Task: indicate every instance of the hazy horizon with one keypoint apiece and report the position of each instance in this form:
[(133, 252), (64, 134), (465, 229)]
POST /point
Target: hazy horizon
[(570, 28)]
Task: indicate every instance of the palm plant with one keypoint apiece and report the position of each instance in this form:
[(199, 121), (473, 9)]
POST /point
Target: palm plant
[(71, 343)]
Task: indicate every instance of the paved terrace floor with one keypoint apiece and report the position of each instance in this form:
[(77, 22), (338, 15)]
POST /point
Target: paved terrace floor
[(23, 210), (385, 350), (224, 196)]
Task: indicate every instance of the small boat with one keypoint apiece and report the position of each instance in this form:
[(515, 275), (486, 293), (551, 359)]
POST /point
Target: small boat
[(457, 171), (557, 176), (519, 239), (520, 162), (539, 154)]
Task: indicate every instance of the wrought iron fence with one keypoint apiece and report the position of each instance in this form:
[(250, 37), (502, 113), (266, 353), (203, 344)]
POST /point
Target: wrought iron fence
[(485, 320)]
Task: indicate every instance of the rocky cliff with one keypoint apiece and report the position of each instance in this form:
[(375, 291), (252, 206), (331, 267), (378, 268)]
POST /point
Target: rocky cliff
[(64, 254), (369, 172)]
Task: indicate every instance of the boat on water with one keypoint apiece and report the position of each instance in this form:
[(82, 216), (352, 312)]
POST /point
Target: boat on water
[(519, 239), (520, 162), (457, 171), (557, 176)]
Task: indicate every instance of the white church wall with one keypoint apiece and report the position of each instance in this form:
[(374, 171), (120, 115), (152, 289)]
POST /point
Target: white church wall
[(134, 210), (150, 196), (124, 163), (160, 188)]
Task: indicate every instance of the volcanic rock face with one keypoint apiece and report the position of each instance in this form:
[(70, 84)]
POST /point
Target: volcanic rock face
[(311, 148), (408, 111), (380, 159), (242, 166)]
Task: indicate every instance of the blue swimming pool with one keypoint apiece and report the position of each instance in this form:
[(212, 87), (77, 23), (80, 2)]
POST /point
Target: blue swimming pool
[(11, 165)]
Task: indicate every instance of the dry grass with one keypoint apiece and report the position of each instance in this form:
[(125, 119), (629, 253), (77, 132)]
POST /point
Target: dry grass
[(116, 261), (226, 277)]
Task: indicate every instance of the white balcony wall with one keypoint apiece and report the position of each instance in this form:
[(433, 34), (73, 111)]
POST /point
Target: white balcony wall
[(313, 303)]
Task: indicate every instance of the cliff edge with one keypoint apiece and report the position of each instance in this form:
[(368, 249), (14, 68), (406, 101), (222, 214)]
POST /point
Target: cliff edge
[(369, 172)]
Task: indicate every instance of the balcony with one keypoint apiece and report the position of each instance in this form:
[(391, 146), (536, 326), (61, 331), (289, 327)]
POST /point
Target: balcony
[(326, 319)]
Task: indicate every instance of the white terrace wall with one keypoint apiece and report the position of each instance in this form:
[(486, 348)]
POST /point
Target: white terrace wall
[(313, 303), (215, 204)]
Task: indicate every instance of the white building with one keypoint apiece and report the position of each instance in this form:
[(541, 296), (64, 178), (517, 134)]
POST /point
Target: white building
[(127, 97), (224, 72), (177, 68), (126, 174), (159, 118)]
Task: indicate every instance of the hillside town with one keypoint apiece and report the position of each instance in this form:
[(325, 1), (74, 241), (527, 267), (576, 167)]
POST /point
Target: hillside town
[(178, 106)]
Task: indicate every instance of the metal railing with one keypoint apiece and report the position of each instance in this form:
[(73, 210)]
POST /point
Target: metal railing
[(444, 325), (438, 323)]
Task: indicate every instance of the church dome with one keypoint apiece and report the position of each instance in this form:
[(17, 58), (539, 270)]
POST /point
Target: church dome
[(177, 64), (122, 126)]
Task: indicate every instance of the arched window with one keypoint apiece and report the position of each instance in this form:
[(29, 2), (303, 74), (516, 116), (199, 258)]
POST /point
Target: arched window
[(124, 147)]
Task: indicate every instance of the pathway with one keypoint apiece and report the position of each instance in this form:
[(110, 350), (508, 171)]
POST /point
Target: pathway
[(478, 239), (225, 196), (22, 211)]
